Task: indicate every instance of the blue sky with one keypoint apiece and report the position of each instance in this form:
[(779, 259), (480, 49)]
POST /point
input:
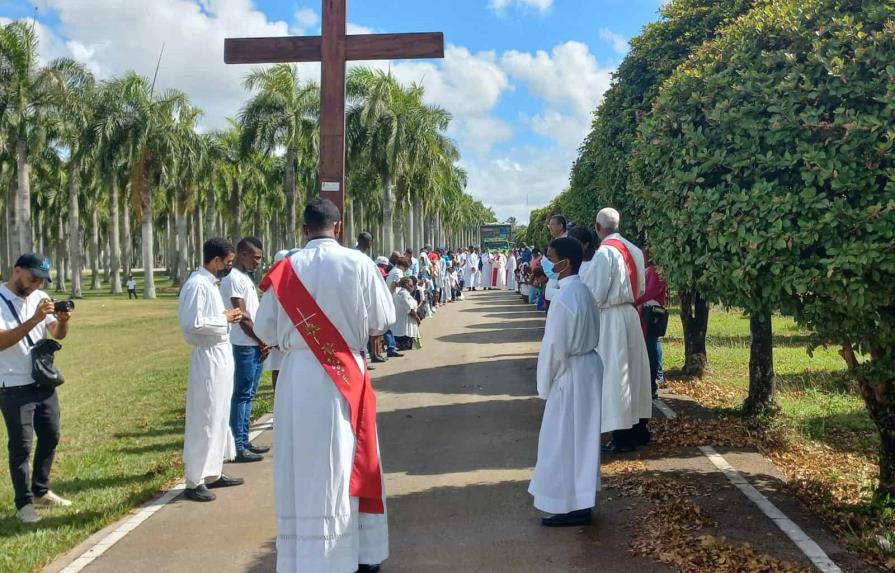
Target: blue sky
[(521, 77)]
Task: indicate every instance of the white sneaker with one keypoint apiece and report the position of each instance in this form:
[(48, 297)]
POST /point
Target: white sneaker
[(50, 499), (28, 514)]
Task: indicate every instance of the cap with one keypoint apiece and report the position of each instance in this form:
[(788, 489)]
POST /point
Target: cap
[(381, 261), (37, 264)]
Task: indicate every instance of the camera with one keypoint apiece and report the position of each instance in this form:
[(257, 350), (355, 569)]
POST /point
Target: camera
[(63, 305)]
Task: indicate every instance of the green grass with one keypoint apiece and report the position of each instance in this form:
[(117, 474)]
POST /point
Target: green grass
[(122, 423), (815, 393)]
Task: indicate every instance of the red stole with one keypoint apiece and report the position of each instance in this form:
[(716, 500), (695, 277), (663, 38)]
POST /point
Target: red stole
[(622, 248), (337, 360)]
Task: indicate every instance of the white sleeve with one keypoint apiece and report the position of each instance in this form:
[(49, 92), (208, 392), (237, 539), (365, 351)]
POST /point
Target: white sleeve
[(380, 304), (553, 353), (267, 317), (599, 277), (192, 318)]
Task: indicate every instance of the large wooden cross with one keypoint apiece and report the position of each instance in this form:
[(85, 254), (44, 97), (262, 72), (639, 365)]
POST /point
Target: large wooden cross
[(333, 49)]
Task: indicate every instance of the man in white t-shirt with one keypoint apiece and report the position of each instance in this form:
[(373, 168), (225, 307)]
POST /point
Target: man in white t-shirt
[(131, 287), (27, 315), (249, 352)]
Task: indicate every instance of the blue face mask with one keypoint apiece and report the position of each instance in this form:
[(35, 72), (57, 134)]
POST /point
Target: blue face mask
[(547, 266)]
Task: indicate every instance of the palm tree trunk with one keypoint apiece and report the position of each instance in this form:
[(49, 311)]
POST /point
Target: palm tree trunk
[(114, 240), (291, 196), (23, 197), (127, 240), (60, 256), (388, 238), (146, 227), (180, 253), (106, 258), (200, 239), (94, 249), (210, 211), (12, 245), (74, 232), (418, 220)]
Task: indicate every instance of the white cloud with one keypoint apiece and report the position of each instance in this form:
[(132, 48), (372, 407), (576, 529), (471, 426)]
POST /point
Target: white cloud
[(307, 17), (619, 43), (499, 6)]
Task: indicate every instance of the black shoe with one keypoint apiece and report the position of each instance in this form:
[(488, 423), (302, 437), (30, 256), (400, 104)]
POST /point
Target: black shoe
[(377, 358), (245, 456), (225, 481), (394, 354), (368, 569), (200, 493), (573, 519), (257, 449), (614, 448), (643, 438)]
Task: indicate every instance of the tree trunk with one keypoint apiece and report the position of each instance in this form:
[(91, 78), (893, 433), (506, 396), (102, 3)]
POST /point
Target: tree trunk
[(200, 239), (115, 239), (388, 221), (291, 197), (146, 228), (762, 380), (180, 253), (60, 256), (127, 241), (695, 320), (210, 211), (74, 232), (410, 229), (236, 211), (94, 249), (23, 198), (12, 245), (106, 259), (417, 233), (257, 222)]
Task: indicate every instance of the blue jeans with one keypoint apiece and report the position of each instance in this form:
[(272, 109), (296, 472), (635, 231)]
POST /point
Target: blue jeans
[(654, 352), (247, 374), (390, 343)]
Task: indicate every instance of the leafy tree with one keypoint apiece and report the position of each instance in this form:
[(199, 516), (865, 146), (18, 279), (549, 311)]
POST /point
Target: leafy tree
[(768, 159)]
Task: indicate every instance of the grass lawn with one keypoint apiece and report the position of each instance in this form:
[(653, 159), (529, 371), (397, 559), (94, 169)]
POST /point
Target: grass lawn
[(122, 422)]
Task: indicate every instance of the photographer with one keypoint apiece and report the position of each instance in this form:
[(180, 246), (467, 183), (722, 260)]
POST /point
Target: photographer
[(27, 314)]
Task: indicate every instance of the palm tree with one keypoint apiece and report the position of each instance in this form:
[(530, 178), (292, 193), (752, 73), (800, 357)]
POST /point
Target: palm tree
[(147, 125), (284, 113)]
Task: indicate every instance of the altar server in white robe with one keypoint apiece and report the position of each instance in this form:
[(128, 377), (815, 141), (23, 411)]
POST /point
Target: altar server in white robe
[(205, 324), (487, 265), (319, 526), (471, 270), (567, 474), (627, 393), (511, 271), (500, 265)]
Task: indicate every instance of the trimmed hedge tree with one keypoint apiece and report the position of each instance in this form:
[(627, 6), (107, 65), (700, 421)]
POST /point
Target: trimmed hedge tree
[(768, 164)]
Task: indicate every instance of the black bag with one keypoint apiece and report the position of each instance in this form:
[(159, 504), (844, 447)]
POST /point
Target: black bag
[(43, 371), (656, 318)]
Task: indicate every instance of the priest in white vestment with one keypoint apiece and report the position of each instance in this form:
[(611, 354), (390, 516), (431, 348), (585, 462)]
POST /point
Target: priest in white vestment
[(319, 526), (471, 270), (205, 324), (487, 282), (627, 394), (500, 265), (567, 474), (511, 271)]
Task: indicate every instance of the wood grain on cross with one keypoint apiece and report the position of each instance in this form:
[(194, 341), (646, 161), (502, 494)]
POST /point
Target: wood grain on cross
[(333, 49)]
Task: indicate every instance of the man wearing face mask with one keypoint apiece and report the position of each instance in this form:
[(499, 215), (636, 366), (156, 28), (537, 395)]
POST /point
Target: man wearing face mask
[(557, 225), (26, 316), (205, 323), (570, 376)]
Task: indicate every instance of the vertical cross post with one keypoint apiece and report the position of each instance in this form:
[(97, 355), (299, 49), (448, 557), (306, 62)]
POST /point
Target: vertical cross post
[(332, 105)]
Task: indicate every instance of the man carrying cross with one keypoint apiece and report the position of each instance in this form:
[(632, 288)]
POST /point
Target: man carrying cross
[(320, 306)]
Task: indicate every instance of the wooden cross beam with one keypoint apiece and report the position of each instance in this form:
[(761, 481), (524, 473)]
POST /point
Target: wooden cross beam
[(333, 49)]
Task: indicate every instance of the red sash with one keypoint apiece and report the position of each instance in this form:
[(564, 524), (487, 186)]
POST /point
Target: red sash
[(337, 360), (629, 262)]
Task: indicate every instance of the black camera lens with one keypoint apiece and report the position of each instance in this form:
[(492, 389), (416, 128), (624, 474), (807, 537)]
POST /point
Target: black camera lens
[(64, 306)]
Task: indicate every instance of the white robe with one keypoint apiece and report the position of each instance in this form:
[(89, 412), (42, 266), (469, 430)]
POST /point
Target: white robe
[(627, 394), (472, 271), (500, 263), (405, 325), (511, 272), (486, 271), (207, 439), (570, 373), (319, 527)]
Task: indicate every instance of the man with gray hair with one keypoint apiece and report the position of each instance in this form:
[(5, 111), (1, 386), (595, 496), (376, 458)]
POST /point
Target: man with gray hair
[(616, 278)]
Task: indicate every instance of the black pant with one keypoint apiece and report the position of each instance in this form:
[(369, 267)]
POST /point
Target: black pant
[(30, 410), (639, 435), (131, 292)]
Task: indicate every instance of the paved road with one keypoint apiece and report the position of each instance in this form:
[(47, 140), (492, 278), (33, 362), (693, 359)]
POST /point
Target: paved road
[(458, 433)]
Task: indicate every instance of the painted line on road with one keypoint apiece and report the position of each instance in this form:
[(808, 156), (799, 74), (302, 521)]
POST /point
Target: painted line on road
[(130, 523), (796, 534)]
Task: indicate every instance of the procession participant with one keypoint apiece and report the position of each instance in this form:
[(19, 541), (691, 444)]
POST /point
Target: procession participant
[(275, 356), (205, 324), (586, 237), (407, 319), (365, 243), (569, 376), (655, 294), (616, 279), (511, 271), (500, 271), (27, 316), (471, 269), (249, 352), (556, 225), (487, 265), (320, 306)]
